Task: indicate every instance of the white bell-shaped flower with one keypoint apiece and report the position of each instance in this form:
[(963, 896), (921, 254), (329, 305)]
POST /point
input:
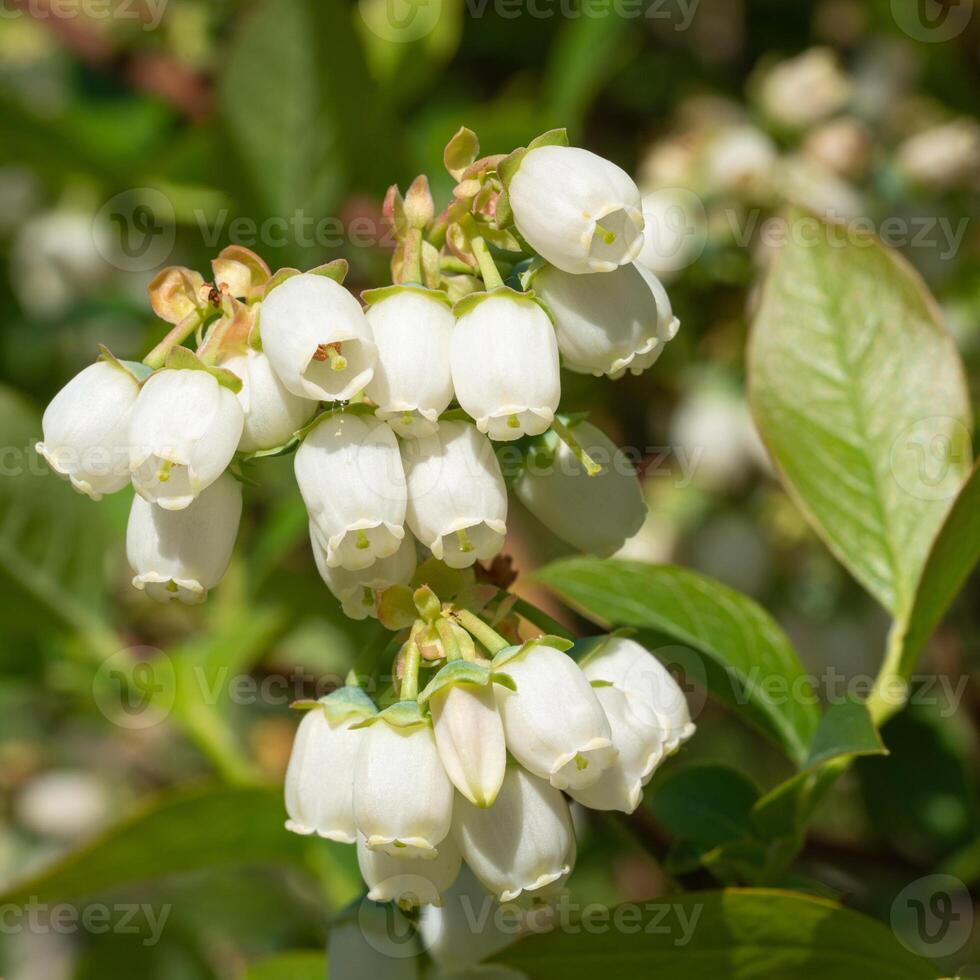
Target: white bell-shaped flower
[(655, 699), (180, 554), (505, 364), (412, 384), (524, 845), (553, 723), (272, 412), (457, 499), (86, 429), (403, 799), (640, 748), (468, 730), (579, 211), (610, 322), (357, 590), (595, 514), (408, 882), (183, 432), (350, 476), (317, 338), (320, 775)]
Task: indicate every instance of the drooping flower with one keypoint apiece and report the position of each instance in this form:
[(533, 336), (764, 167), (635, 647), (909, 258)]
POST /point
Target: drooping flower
[(640, 749), (86, 429), (524, 845), (350, 476), (403, 799), (553, 722), (181, 554), (610, 322), (596, 514), (412, 384), (357, 590), (272, 412), (468, 730), (317, 338), (184, 430), (505, 364), (579, 211), (410, 883), (457, 499), (320, 775), (654, 698)]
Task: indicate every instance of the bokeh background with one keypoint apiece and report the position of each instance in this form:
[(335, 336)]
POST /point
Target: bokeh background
[(135, 135)]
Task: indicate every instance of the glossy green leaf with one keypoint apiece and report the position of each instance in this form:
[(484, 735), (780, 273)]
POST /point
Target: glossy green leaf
[(954, 554), (181, 830), (737, 934), (860, 395), (743, 653)]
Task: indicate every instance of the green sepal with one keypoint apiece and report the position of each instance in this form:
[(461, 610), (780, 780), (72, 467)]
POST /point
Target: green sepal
[(137, 369), (401, 714), (336, 270), (510, 653), (183, 359), (457, 672), (347, 702), (553, 137), (289, 446), (278, 278), (469, 303), (589, 647), (304, 704), (371, 296), (510, 165)]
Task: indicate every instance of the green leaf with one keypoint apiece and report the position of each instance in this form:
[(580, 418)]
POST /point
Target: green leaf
[(845, 731), (954, 554), (741, 649), (738, 934), (860, 395), (189, 829), (300, 965)]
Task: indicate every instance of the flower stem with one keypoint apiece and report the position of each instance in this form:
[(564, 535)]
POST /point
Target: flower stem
[(449, 642), (479, 630), (177, 335), (412, 266), (488, 268), (410, 677), (592, 468)]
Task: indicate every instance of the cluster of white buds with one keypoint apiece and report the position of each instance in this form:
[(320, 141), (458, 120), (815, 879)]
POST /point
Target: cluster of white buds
[(396, 404), (475, 767)]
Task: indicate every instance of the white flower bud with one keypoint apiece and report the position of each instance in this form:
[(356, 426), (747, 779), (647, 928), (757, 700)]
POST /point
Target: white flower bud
[(412, 384), (609, 322), (553, 723), (654, 697), (524, 844), (86, 429), (457, 499), (739, 158), (579, 211), (272, 413), (317, 338), (356, 589), (595, 514), (408, 882), (674, 233), (803, 90), (350, 476), (180, 554), (505, 365), (469, 734), (403, 799), (320, 775), (183, 432), (942, 156), (640, 748)]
